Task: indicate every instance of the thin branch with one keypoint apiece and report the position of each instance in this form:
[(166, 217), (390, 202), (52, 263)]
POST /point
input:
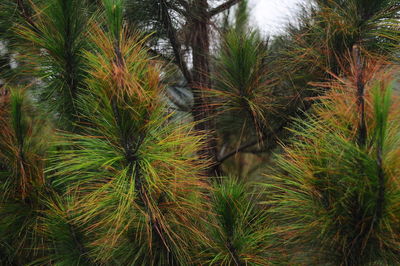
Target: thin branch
[(176, 46), (233, 152), (157, 54), (362, 127), (180, 106), (381, 182), (25, 14), (178, 10), (222, 7), (184, 4), (232, 250), (271, 138)]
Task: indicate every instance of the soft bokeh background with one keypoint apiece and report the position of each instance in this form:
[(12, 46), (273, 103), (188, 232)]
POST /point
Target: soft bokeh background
[(272, 15)]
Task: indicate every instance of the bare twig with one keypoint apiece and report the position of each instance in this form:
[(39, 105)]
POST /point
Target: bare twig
[(176, 46), (184, 4), (222, 7), (178, 10), (25, 14), (159, 55), (360, 85), (271, 138)]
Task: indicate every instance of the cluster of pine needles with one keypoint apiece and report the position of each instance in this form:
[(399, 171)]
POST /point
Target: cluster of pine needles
[(99, 173)]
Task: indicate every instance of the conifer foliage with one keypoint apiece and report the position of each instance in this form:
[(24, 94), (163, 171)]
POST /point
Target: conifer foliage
[(55, 42), (23, 148), (286, 150), (337, 193), (241, 234), (243, 82), (136, 180)]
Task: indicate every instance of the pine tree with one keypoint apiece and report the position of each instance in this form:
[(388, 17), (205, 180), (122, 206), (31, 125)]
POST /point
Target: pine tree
[(335, 192), (55, 42), (241, 233), (23, 148), (136, 179), (315, 48), (173, 132), (187, 26)]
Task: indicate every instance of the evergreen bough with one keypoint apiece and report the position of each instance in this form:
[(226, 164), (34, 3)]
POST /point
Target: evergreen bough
[(335, 197)]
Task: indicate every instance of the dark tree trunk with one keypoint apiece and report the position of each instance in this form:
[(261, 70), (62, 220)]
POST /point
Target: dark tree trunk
[(198, 16), (201, 80)]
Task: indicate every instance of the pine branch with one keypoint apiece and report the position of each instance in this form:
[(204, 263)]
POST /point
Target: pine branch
[(180, 107), (77, 242), (178, 10), (131, 158), (184, 4), (381, 183), (233, 252), (222, 7), (158, 54), (25, 14), (272, 138), (362, 134), (176, 46)]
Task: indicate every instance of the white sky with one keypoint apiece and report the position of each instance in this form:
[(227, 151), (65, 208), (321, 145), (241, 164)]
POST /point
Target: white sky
[(272, 15)]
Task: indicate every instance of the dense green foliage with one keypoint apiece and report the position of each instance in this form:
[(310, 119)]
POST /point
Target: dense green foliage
[(172, 132), (337, 198)]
